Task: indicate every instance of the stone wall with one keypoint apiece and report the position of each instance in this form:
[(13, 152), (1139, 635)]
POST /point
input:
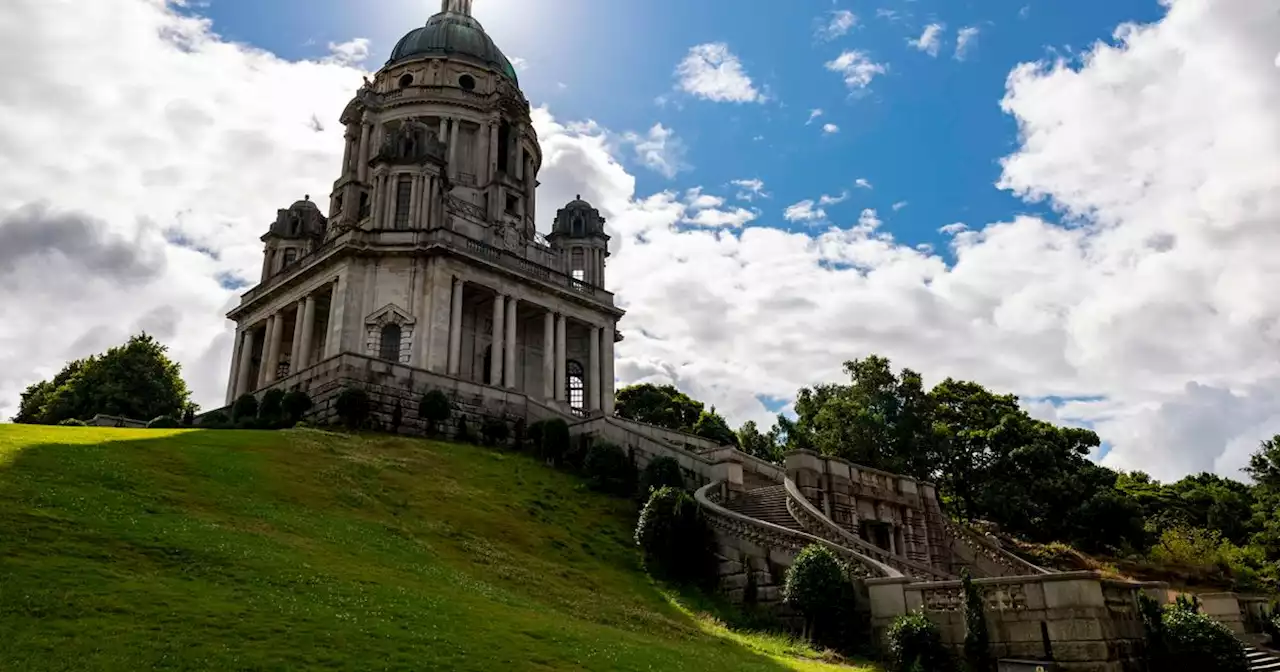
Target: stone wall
[(1084, 623)]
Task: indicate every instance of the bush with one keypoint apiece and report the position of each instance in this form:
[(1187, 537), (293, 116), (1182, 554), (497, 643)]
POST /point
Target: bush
[(915, 645), (494, 431), (397, 417), (189, 415), (434, 409), (464, 431), (675, 540), (555, 440), (295, 405), (352, 406), (271, 410), (813, 586), (164, 422), (245, 407), (72, 422), (609, 469), (1193, 641), (215, 420), (1271, 626), (661, 472), (977, 641), (534, 435)]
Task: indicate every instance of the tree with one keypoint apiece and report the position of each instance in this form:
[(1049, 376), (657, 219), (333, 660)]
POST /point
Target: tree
[(352, 406), (134, 380), (434, 408), (712, 425), (295, 405), (676, 542), (977, 640), (663, 406), (764, 446), (814, 585)]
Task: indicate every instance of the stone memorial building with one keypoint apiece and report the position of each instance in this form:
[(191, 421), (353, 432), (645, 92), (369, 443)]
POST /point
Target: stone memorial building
[(429, 256)]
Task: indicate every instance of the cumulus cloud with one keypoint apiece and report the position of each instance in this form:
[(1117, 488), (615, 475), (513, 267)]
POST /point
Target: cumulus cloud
[(1149, 309), (930, 41), (862, 183), (658, 150), (839, 23), (856, 68), (751, 189), (900, 205), (351, 53), (965, 40), (712, 72), (830, 129), (813, 114)]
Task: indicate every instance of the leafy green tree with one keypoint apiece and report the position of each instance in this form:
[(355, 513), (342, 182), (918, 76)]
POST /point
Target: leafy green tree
[(660, 405), (271, 410), (977, 640), (712, 425), (434, 409), (295, 405), (352, 406), (134, 380), (676, 542), (245, 408), (915, 645), (814, 585), (765, 446), (609, 469), (660, 472)]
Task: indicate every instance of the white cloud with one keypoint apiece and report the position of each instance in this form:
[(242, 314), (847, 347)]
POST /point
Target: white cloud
[(804, 211), (900, 205), (953, 229), (840, 23), (930, 41), (658, 150), (751, 189), (813, 114), (856, 68), (1156, 300), (519, 64), (830, 128), (862, 183), (718, 218), (712, 72), (965, 40), (833, 200), (700, 201), (350, 53)]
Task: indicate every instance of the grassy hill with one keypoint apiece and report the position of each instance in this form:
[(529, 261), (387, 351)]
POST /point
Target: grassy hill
[(229, 550)]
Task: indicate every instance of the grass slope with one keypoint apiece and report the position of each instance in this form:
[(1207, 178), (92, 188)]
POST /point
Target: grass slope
[(200, 550)]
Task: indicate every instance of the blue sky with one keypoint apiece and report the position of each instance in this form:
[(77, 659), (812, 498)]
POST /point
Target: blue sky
[(929, 132)]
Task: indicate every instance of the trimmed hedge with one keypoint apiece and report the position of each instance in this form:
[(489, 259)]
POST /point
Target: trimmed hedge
[(352, 406), (72, 422), (661, 472), (915, 645), (434, 410), (609, 469), (675, 540)]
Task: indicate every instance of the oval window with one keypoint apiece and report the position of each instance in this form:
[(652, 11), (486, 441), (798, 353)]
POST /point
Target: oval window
[(467, 82), (406, 80)]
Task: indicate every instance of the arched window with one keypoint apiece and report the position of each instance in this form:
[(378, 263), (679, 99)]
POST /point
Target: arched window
[(577, 384), (389, 347), (579, 229)]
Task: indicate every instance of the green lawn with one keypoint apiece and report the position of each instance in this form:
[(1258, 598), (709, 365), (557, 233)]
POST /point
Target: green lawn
[(235, 550)]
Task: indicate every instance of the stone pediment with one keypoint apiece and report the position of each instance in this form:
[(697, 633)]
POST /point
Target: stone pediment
[(389, 314)]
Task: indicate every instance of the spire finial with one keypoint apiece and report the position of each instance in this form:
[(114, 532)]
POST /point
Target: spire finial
[(456, 6)]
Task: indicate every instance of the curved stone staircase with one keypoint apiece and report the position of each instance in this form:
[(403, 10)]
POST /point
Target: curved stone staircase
[(1261, 660)]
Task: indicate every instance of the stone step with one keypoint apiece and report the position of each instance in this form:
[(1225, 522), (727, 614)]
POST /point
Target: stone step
[(768, 504), (1262, 661)]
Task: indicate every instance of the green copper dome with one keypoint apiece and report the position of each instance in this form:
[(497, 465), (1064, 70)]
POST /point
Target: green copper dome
[(448, 34)]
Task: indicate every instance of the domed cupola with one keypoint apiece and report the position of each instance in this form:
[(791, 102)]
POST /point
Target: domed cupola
[(578, 232), (453, 33)]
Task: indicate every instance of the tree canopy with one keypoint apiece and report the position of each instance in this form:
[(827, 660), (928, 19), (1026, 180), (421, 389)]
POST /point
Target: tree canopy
[(665, 406), (135, 380)]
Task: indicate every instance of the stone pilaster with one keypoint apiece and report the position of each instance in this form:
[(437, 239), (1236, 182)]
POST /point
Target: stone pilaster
[(593, 371)]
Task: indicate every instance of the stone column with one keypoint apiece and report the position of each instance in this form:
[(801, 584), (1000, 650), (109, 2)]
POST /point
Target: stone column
[(267, 330), (483, 172), (593, 372), (444, 129), (607, 374), (424, 208), (390, 182), (277, 341), (548, 356), (493, 149), (362, 157), (348, 140), (375, 201), (509, 368), (296, 347), (243, 382), (531, 194), (455, 328), (415, 195), (337, 311), (496, 356), (561, 357), (308, 331), (234, 378), (453, 150)]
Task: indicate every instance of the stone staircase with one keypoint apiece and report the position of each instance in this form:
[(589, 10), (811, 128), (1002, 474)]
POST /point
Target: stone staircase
[(768, 504), (1263, 661)]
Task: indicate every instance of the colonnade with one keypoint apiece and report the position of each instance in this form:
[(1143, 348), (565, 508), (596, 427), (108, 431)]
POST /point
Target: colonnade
[(505, 347), (271, 331)]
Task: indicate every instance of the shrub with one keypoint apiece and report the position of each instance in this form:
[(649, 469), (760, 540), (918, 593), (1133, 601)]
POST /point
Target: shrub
[(189, 415), (271, 410), (72, 422), (609, 469), (494, 431), (517, 434), (661, 472), (915, 645), (352, 406), (977, 641), (295, 405), (674, 538), (434, 409), (1193, 641), (464, 431), (813, 585), (534, 435), (215, 420), (245, 407), (164, 422), (555, 440), (1271, 626)]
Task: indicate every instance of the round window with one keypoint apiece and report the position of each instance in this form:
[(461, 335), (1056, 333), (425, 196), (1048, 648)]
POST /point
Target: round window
[(467, 82), (406, 80)]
